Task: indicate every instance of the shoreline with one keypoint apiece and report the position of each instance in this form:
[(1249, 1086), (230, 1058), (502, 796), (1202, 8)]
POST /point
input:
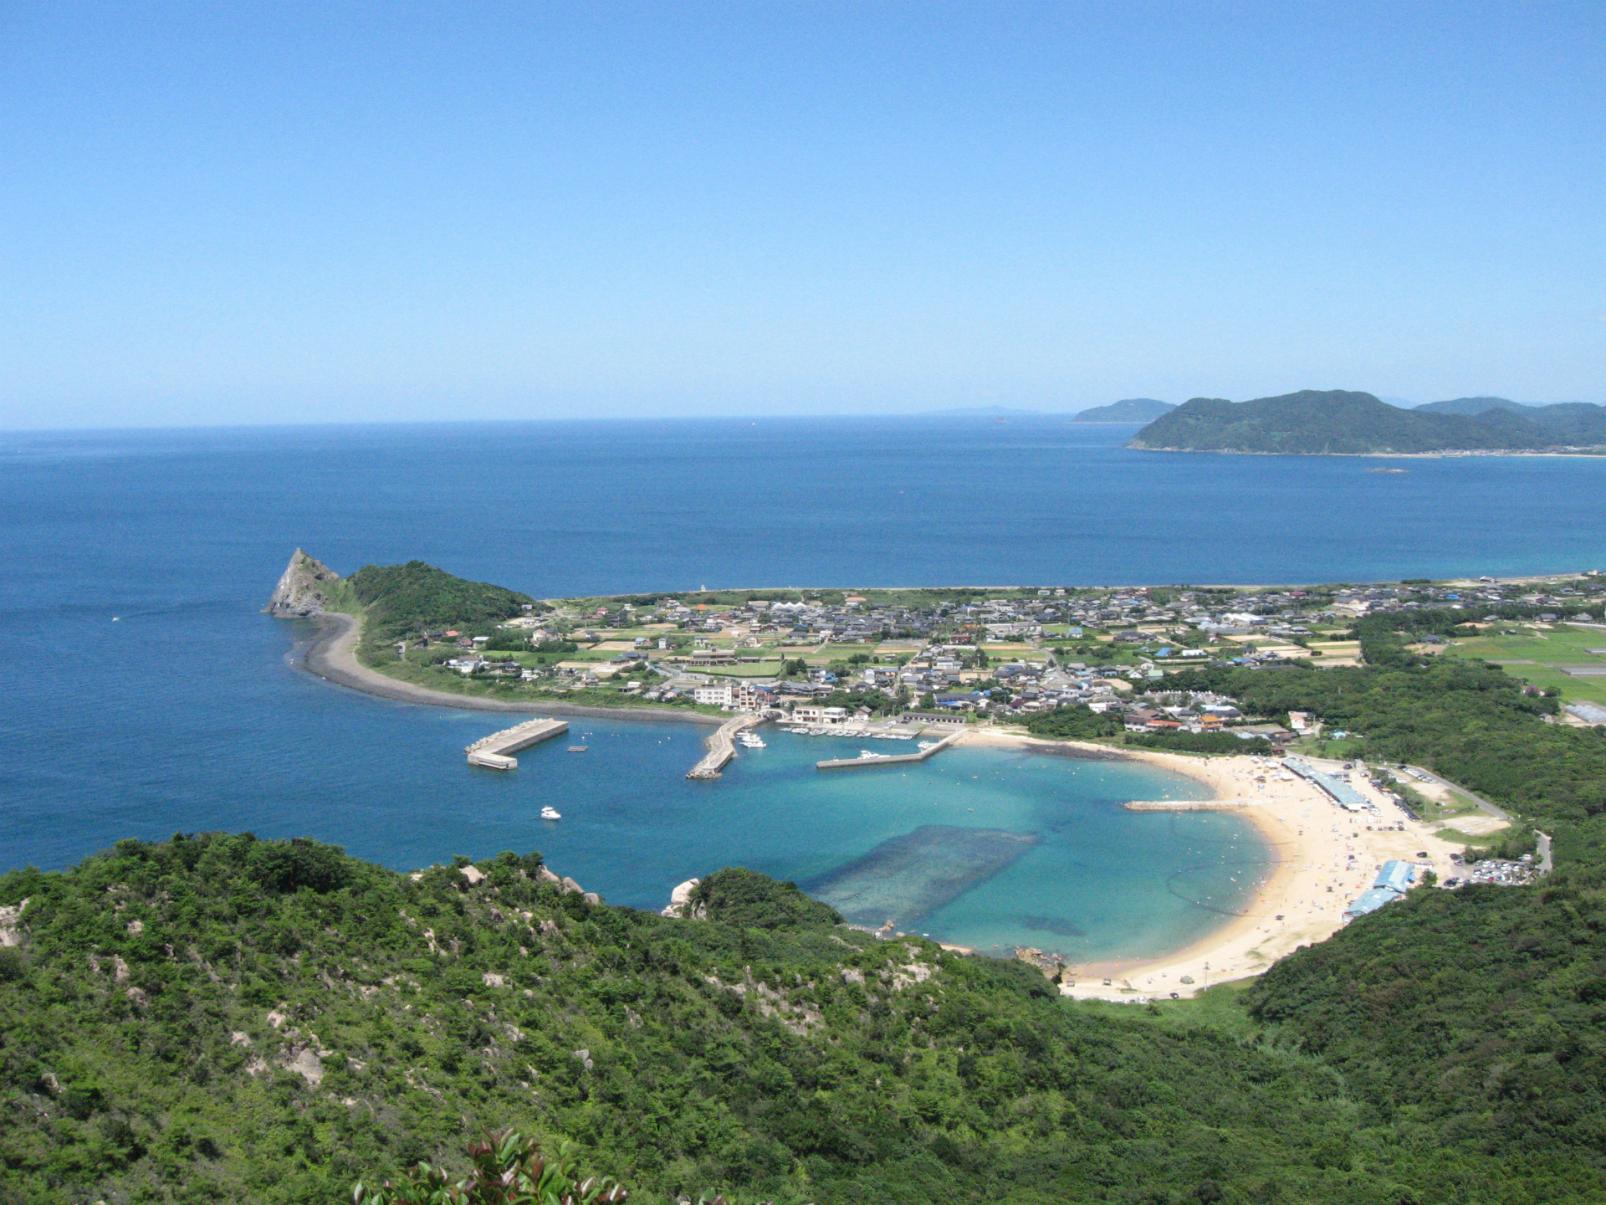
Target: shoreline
[(1320, 859), (332, 656)]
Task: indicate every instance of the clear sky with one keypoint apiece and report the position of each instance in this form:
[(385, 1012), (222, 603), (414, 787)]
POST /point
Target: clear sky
[(282, 212)]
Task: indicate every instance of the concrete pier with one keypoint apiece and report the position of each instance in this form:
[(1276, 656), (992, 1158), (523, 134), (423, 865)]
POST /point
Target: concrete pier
[(495, 752), (1187, 805), (888, 759), (722, 747)]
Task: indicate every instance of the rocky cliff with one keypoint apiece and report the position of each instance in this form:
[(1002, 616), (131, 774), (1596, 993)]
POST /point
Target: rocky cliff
[(304, 588)]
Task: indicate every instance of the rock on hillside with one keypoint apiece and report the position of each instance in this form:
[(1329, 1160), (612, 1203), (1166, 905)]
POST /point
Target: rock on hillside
[(303, 588)]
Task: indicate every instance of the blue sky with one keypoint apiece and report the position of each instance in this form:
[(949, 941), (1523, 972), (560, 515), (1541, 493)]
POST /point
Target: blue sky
[(246, 213)]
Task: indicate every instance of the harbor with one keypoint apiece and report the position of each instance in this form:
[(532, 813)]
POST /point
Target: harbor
[(495, 752)]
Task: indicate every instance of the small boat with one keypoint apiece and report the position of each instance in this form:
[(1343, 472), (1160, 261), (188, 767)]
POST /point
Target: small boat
[(578, 748), (551, 813), (750, 740), (866, 755)]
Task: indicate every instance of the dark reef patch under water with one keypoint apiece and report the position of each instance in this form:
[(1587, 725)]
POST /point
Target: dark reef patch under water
[(907, 878)]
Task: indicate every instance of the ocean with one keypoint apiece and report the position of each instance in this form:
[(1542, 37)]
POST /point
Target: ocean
[(145, 694)]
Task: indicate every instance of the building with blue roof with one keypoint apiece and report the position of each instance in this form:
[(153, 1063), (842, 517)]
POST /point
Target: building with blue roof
[(1340, 792), (1370, 900), (1396, 876)]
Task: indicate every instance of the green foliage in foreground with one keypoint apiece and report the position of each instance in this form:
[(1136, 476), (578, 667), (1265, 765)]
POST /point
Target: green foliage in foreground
[(282, 1022), (404, 600), (505, 1169)]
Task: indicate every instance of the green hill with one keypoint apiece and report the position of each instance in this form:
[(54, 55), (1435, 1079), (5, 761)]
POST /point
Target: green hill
[(1342, 422), (220, 1018), (1127, 410), (404, 600)]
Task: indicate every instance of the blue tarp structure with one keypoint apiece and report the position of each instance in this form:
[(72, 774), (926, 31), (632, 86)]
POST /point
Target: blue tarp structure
[(1370, 900), (1396, 876)]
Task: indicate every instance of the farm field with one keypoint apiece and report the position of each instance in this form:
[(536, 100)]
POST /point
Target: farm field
[(1542, 656)]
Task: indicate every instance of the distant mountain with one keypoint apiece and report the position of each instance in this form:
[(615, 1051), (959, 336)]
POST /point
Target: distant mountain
[(1474, 405), (1337, 422), (1127, 410)]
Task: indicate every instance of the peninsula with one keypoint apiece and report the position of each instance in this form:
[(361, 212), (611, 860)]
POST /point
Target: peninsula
[(1339, 422)]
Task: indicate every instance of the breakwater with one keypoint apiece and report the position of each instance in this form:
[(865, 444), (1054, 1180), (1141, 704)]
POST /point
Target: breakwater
[(721, 747), (888, 759), (495, 752), (1186, 805)]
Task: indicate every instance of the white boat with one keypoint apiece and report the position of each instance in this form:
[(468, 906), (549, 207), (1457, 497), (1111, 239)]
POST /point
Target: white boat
[(866, 755), (750, 740), (551, 813), (926, 745)]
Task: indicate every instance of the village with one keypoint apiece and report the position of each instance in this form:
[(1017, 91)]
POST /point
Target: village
[(830, 659)]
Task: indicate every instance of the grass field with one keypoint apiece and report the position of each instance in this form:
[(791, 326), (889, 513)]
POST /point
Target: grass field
[(1537, 655), (745, 669)]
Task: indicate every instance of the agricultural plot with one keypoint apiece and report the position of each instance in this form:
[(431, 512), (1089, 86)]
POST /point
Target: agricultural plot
[(1566, 659), (1329, 653)]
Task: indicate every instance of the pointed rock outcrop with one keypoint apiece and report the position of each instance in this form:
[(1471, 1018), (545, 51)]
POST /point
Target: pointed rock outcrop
[(303, 588)]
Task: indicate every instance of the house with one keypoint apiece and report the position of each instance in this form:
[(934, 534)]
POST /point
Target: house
[(1304, 723), (819, 716), (722, 695)]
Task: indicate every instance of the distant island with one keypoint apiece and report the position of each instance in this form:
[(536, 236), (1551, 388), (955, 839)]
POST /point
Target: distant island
[(1340, 422), (1127, 410)]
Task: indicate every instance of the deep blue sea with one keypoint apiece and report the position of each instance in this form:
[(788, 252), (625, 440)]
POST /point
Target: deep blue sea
[(187, 713)]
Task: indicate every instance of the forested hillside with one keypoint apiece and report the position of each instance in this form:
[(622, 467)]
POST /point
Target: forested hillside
[(404, 600), (220, 1018)]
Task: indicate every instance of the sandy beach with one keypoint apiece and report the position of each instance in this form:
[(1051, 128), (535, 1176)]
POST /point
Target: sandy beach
[(332, 656), (1322, 858)]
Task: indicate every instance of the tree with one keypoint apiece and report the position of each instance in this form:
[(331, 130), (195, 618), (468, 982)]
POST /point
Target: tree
[(506, 1168)]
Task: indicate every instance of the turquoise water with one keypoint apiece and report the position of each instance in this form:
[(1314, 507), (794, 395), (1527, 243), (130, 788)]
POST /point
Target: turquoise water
[(1091, 880), (185, 715)]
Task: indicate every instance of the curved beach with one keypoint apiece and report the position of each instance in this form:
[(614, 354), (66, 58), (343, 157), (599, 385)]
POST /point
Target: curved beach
[(1322, 858), (332, 656)]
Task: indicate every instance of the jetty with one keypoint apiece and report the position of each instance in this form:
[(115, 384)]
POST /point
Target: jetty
[(495, 752), (1187, 805), (889, 759), (722, 747)]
